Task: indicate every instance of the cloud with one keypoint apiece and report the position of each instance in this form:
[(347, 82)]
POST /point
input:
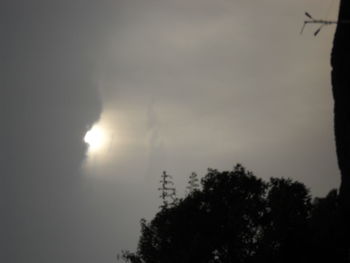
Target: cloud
[(227, 78), (183, 85), (50, 95)]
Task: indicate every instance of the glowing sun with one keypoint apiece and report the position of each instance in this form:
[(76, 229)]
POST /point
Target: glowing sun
[(96, 138)]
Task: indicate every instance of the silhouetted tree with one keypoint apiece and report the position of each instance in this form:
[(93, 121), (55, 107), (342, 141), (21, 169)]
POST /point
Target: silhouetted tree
[(327, 227), (237, 217), (285, 235), (193, 183)]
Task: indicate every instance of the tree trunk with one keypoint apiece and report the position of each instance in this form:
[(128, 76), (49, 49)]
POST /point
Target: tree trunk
[(340, 61)]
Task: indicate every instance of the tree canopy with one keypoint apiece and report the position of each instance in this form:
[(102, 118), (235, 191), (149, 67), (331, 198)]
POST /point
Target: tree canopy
[(236, 217)]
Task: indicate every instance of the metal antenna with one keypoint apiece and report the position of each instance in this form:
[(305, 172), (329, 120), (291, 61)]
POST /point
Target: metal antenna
[(321, 22)]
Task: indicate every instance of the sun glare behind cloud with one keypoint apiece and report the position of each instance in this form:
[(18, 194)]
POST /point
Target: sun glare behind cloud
[(96, 138)]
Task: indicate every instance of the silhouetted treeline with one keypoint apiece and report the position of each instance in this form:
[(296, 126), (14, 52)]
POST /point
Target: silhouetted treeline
[(236, 217)]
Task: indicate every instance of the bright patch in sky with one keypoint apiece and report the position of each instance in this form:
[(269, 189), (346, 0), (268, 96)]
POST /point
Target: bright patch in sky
[(104, 142), (96, 138)]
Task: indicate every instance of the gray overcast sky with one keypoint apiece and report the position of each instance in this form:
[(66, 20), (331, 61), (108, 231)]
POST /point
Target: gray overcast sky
[(177, 85)]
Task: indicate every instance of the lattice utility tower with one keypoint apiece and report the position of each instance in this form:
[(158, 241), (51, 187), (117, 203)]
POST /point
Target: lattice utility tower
[(167, 190)]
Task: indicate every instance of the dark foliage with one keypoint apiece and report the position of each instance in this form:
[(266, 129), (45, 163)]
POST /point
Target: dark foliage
[(193, 182), (237, 217)]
